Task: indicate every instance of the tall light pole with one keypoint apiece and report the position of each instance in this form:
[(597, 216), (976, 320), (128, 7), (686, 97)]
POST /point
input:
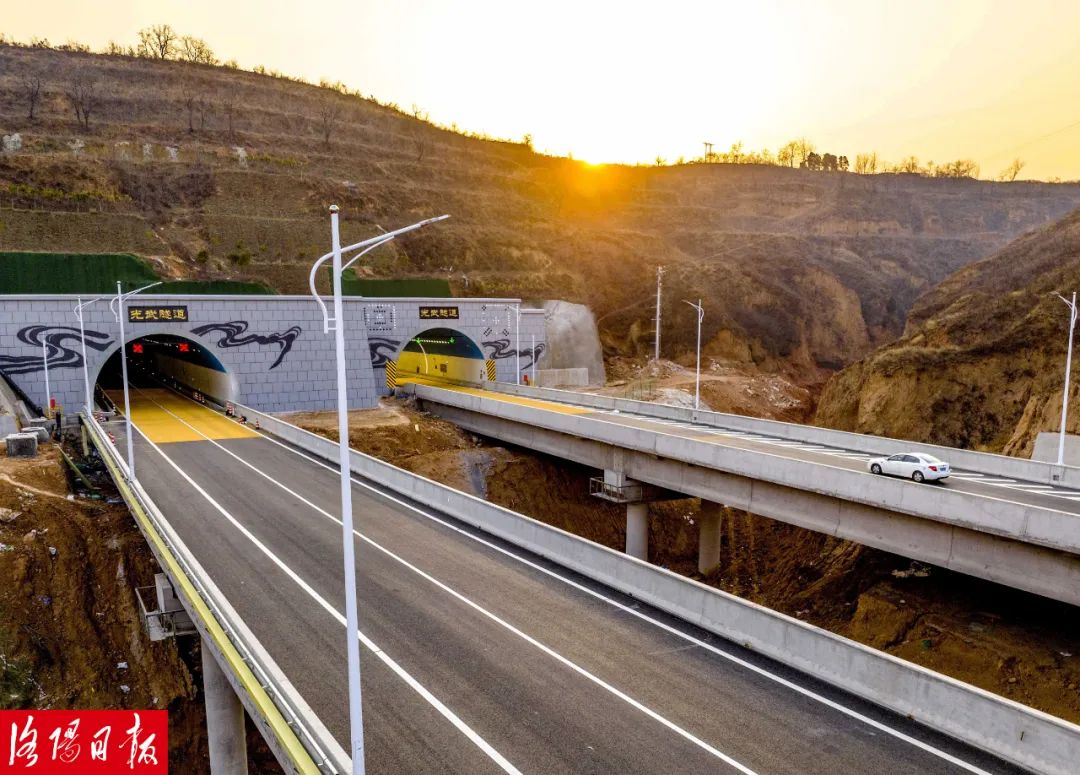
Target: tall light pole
[(516, 309), (337, 324), (45, 363), (119, 300), (1068, 369), (82, 338), (659, 286), (697, 379)]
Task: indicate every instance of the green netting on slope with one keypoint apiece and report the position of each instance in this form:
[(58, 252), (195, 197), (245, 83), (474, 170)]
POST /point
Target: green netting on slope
[(71, 272), (87, 273), (215, 287), (425, 287)]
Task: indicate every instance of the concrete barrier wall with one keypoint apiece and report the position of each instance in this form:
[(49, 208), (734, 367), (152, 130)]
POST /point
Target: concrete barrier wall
[(575, 376), (982, 462), (1007, 729), (1032, 524)]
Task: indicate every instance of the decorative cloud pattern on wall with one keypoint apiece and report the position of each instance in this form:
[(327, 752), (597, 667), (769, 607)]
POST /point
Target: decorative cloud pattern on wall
[(61, 347), (234, 335)]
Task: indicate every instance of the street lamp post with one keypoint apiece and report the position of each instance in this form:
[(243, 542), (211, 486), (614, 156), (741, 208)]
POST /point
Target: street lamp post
[(337, 324), (697, 378), (120, 299), (1068, 369), (82, 338), (516, 309), (45, 363)]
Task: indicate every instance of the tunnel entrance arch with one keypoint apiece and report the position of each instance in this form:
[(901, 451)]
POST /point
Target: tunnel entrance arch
[(441, 355), (169, 358)]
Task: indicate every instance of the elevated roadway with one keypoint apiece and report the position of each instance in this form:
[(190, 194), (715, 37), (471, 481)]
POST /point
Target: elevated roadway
[(479, 657), (1020, 532)]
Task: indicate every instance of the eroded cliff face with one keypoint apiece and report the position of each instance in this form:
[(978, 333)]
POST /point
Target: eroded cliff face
[(981, 362)]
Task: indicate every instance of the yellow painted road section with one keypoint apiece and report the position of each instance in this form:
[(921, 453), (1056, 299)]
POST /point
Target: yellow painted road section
[(153, 410), (534, 403)]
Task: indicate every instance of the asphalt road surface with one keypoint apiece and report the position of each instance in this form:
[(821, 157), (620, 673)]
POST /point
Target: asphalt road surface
[(478, 657)]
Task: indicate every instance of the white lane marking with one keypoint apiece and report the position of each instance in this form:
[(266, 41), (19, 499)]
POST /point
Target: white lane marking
[(764, 673), (434, 701), (1036, 488), (475, 606), (989, 480)]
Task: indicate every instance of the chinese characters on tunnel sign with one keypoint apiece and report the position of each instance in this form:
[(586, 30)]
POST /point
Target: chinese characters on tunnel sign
[(440, 313), (172, 314), (55, 742)]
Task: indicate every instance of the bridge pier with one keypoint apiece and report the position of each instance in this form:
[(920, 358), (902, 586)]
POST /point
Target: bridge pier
[(637, 530), (709, 536), (224, 720)]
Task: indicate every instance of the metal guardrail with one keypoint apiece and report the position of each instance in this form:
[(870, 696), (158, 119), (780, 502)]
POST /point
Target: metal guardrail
[(304, 752)]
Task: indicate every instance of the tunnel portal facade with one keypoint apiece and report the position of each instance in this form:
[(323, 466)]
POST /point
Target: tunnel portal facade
[(271, 349)]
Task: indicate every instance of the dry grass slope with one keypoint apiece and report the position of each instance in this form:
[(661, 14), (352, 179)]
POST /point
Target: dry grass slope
[(801, 270)]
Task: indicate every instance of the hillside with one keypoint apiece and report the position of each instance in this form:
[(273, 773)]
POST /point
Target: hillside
[(981, 362), (224, 174)]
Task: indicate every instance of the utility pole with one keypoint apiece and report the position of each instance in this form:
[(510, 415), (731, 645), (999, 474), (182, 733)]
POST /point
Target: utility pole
[(659, 287)]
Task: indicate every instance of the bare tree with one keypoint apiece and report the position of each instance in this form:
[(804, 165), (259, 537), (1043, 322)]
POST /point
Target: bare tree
[(420, 144), (31, 88), (961, 168), (909, 165), (328, 117), (787, 153), (803, 148), (196, 51), (866, 163), (1009, 173), (189, 98), (157, 42), (83, 99), (228, 107)]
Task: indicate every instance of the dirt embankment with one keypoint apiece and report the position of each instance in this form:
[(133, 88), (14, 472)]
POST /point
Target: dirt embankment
[(1017, 645), (70, 632), (981, 363)]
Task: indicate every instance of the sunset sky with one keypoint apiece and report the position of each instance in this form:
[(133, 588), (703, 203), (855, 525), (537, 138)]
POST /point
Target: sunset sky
[(618, 81)]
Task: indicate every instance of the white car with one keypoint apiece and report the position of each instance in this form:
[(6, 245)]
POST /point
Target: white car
[(917, 466)]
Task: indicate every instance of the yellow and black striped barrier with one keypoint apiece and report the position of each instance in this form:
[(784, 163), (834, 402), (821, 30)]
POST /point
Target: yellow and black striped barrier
[(489, 369), (391, 375)]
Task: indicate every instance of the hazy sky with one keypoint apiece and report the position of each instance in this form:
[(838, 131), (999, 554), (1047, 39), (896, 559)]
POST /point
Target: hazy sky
[(628, 81)]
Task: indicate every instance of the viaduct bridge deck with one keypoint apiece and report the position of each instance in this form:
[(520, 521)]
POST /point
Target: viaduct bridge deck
[(1017, 531)]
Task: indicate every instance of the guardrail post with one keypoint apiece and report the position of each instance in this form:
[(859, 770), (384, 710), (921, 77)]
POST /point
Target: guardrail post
[(224, 719), (709, 537)]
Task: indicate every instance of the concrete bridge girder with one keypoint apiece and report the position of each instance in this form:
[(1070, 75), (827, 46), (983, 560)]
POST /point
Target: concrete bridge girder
[(1030, 567)]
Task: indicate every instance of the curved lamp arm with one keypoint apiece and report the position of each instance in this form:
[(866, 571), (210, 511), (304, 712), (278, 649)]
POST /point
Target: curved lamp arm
[(363, 246)]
